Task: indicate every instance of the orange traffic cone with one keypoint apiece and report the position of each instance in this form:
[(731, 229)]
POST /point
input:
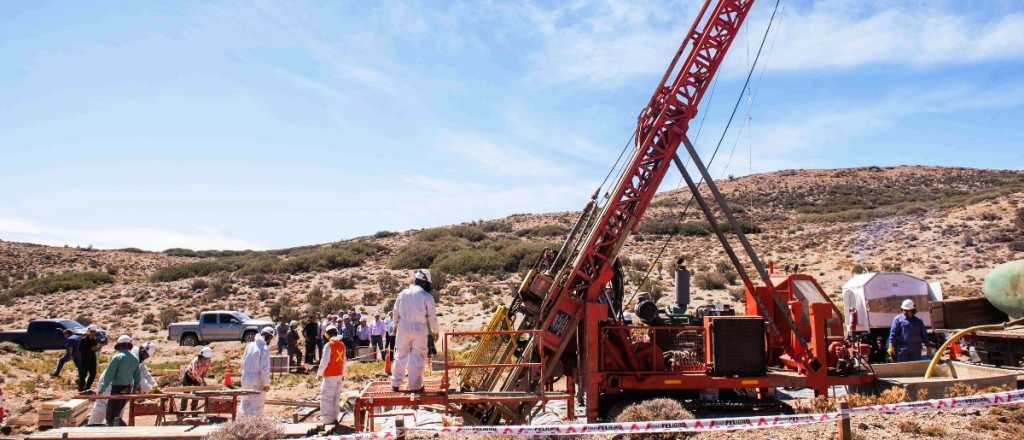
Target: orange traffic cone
[(227, 376), (387, 363)]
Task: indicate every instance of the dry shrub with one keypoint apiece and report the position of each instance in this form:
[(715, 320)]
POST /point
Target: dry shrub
[(653, 410), (857, 400), (960, 390), (922, 394), (909, 426), (248, 428), (892, 395), (934, 430)]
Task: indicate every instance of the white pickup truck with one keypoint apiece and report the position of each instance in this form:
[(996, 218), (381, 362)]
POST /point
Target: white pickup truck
[(216, 326)]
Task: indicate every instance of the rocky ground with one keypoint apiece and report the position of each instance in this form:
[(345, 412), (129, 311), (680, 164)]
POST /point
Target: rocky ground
[(949, 225)]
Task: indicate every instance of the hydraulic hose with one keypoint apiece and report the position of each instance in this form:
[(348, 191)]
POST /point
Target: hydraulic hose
[(957, 335)]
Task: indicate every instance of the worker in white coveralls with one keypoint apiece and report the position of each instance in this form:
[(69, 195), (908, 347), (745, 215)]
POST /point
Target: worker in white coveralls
[(415, 317), (332, 369), (256, 373)]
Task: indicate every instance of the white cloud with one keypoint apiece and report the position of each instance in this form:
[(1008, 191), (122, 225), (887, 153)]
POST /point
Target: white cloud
[(154, 239), (593, 44), (815, 130)]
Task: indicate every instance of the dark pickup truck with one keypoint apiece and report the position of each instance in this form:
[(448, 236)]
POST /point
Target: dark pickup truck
[(42, 334)]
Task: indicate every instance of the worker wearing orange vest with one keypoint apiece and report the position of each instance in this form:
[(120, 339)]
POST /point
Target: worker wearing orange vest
[(332, 369)]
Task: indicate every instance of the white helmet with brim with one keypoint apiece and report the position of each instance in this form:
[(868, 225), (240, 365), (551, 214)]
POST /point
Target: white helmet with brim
[(908, 304)]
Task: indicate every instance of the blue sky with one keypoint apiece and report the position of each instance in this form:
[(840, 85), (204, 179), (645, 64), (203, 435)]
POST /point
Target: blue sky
[(273, 124)]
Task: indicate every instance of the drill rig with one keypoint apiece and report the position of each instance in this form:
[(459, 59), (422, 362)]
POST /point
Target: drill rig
[(574, 297), (565, 324)]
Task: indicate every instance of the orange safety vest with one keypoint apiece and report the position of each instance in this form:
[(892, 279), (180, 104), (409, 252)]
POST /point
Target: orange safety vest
[(336, 363)]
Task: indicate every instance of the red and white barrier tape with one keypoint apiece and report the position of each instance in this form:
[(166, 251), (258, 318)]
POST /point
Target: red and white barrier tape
[(975, 401), (699, 425), (693, 425)]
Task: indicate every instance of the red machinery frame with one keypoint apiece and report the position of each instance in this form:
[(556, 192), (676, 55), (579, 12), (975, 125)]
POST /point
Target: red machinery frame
[(439, 392)]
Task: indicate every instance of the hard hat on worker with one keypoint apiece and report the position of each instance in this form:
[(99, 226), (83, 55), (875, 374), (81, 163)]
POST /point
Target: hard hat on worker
[(149, 347), (267, 331), (124, 339), (908, 304), (206, 352), (422, 275)]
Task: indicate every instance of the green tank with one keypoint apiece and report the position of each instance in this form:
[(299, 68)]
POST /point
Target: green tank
[(1004, 288)]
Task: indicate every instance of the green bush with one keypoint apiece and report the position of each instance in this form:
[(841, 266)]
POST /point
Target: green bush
[(660, 227), (496, 226), (60, 283), (470, 233), (343, 283), (520, 254), (337, 256), (132, 250), (710, 280), (195, 269), (550, 230), (464, 261), (384, 234), (1017, 246), (421, 254)]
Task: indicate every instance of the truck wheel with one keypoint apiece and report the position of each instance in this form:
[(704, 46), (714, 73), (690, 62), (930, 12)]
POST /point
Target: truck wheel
[(189, 340), (248, 336)]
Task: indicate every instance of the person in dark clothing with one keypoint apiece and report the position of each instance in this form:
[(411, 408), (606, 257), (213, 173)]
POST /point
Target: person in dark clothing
[(311, 334), (87, 348), (282, 336), (350, 336), (294, 353), (72, 344)]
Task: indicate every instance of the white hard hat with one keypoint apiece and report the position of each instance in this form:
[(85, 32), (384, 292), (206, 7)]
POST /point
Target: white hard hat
[(124, 339), (268, 331), (206, 352), (423, 274), (330, 328), (150, 348), (908, 304)]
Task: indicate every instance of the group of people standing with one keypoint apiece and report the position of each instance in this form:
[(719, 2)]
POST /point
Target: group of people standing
[(408, 331), (412, 322), (353, 329)]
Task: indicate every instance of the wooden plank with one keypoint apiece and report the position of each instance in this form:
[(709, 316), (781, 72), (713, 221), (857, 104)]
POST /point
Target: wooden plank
[(298, 403), (155, 432)]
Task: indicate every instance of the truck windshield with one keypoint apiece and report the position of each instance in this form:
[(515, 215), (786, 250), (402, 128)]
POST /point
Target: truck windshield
[(72, 325), (241, 317)]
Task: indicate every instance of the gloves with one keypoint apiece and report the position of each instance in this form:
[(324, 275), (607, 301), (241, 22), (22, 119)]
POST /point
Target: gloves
[(156, 391), (266, 388), (892, 351)]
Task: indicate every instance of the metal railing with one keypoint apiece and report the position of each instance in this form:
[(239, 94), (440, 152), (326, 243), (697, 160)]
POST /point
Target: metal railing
[(496, 368)]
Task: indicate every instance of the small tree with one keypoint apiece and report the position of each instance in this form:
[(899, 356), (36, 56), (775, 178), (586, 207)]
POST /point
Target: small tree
[(315, 297), (168, 315)]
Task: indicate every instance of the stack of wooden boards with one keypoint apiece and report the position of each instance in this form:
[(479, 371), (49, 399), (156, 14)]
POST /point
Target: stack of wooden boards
[(291, 430), (63, 413)]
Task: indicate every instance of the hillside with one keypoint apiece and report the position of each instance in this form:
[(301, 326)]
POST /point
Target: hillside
[(949, 225)]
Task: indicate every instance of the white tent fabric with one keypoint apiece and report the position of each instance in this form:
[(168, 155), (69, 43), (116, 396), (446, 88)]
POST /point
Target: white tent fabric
[(876, 297)]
